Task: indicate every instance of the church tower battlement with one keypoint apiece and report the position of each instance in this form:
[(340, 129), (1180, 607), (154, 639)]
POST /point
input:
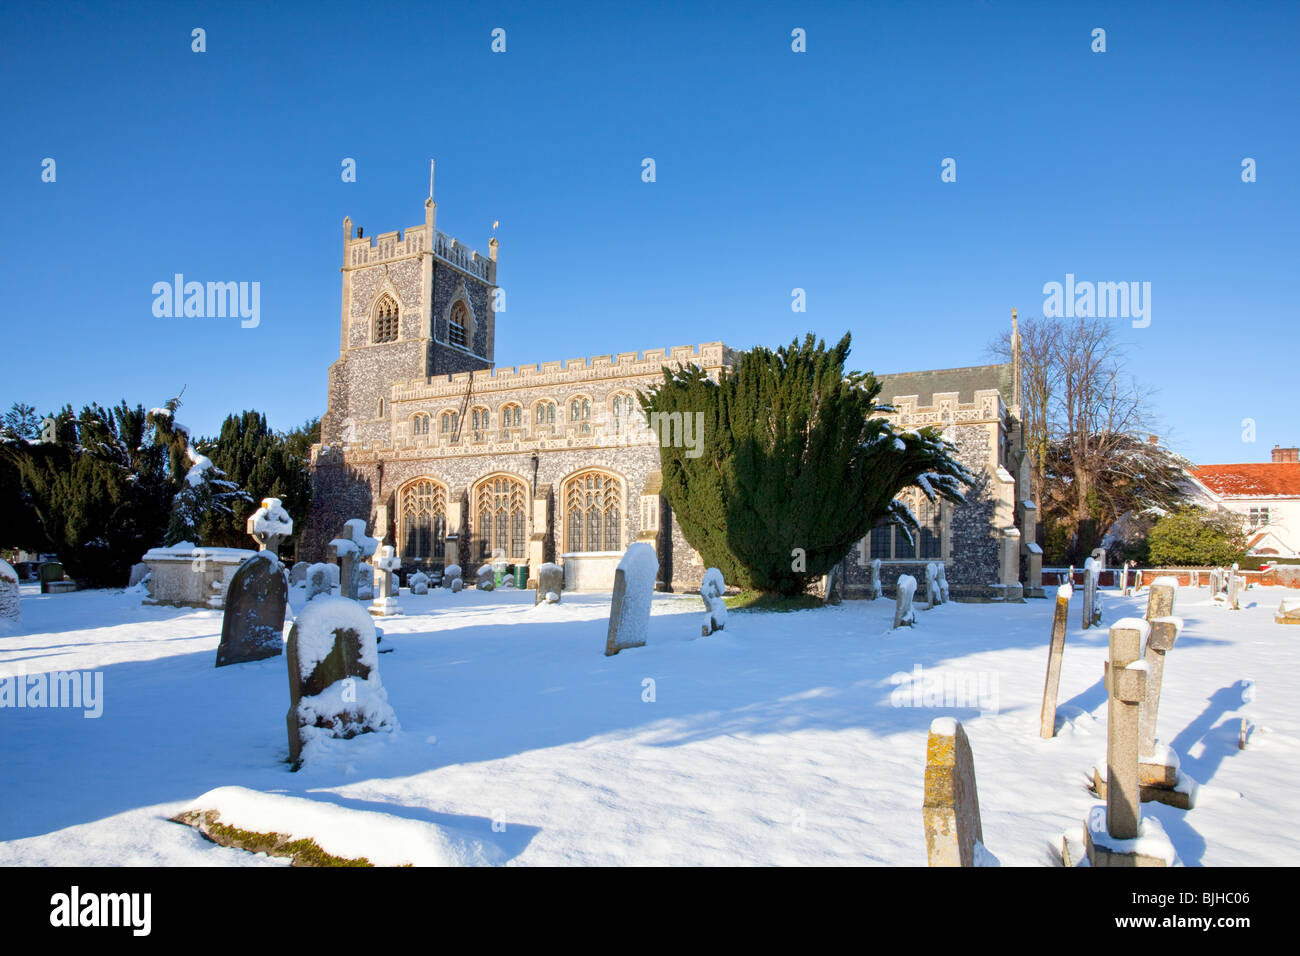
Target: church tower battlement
[(415, 305)]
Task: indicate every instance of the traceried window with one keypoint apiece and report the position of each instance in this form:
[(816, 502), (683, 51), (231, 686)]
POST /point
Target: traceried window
[(449, 420), (622, 413), (499, 508), (423, 511), (592, 504), (890, 543), (512, 421), (480, 421), (546, 413), (386, 315), (458, 326), (420, 425), (580, 414)]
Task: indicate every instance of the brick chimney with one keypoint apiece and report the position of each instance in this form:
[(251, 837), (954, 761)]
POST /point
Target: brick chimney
[(1285, 456)]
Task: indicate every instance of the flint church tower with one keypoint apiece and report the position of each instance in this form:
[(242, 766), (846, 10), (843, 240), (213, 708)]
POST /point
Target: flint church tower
[(415, 305)]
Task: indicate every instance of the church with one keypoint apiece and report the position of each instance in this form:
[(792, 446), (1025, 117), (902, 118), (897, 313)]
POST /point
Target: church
[(454, 461)]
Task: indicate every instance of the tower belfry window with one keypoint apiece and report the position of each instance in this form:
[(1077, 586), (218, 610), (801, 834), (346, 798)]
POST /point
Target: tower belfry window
[(457, 329), (386, 320)]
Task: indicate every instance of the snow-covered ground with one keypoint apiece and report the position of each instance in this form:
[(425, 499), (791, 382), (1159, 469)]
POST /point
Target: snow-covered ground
[(777, 741)]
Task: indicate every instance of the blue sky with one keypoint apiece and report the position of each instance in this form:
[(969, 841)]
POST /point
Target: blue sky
[(775, 170)]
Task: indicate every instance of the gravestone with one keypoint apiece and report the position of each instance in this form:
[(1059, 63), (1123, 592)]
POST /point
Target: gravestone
[(51, 572), (350, 550), (1160, 600), (386, 604), (9, 594), (419, 583), (1235, 582), (252, 623), (318, 579), (875, 578), (139, 572), (951, 808), (712, 588), (629, 607), (933, 591), (486, 579), (270, 525), (1116, 834), (1159, 775), (1287, 614), (365, 572), (1055, 652), (334, 686), (903, 591), (298, 574), (451, 574), (1091, 602), (550, 581), (456, 585), (942, 575)]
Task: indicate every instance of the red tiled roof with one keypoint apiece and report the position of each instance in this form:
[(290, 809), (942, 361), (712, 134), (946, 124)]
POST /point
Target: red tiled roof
[(1251, 479)]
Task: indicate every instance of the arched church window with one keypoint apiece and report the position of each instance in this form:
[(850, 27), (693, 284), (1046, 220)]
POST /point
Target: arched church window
[(386, 315), (459, 332), (593, 510), (499, 507), (422, 508)]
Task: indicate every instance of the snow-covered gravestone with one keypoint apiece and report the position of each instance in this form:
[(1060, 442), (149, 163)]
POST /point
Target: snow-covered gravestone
[(942, 577), (351, 549), (629, 608), (951, 810), (1235, 583), (903, 591), (139, 572), (334, 686), (1056, 651), (319, 579), (712, 588), (386, 601), (456, 585), (1160, 600), (486, 578), (830, 586), (419, 583), (269, 525), (252, 623), (1091, 606), (933, 593), (298, 573), (550, 584), (9, 592), (875, 578), (1116, 834), (450, 576)]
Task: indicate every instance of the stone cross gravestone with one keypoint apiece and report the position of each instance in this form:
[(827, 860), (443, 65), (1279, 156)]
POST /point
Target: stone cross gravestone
[(629, 608), (1055, 652), (270, 525), (334, 685), (252, 623), (386, 564), (951, 809), (550, 584), (903, 591), (351, 549), (1112, 832)]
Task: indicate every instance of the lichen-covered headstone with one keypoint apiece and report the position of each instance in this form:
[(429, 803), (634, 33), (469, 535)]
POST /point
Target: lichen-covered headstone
[(954, 835), (334, 685), (252, 624), (9, 594), (712, 589), (419, 583), (550, 580), (903, 592), (1160, 599), (629, 608)]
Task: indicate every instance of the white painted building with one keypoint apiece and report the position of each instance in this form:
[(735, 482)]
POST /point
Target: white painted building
[(1266, 495)]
